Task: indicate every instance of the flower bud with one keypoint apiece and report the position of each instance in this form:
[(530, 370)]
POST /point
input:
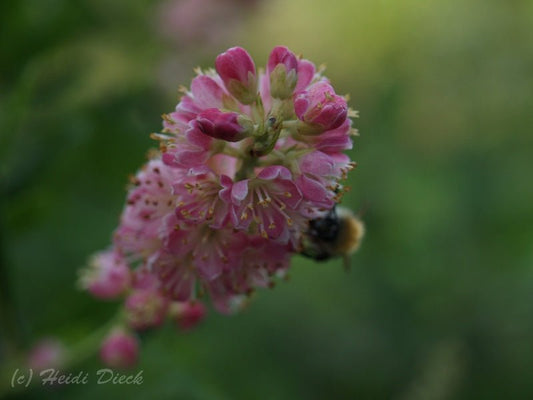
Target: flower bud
[(48, 353), (320, 108), (145, 309), (120, 349), (188, 314), (144, 279), (237, 70), (229, 126), (282, 68), (306, 73), (107, 275)]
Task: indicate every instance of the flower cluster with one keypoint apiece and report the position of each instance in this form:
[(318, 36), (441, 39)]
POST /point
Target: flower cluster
[(247, 159)]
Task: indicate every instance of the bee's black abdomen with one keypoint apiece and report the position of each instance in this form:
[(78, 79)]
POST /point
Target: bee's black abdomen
[(325, 229), (320, 237)]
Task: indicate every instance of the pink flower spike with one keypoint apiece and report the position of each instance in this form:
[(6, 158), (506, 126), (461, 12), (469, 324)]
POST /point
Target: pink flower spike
[(188, 314), (107, 275), (119, 349), (237, 70), (220, 125), (145, 309), (282, 68), (247, 159), (320, 106)]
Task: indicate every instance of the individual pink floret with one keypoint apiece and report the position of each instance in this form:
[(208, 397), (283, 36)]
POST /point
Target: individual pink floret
[(319, 105), (220, 125), (149, 201), (188, 314), (107, 275), (282, 69), (281, 55), (261, 261), (237, 70), (145, 308), (119, 349), (270, 201), (334, 140), (306, 73)]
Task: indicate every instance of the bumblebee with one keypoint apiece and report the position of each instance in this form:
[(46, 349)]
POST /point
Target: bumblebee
[(337, 234)]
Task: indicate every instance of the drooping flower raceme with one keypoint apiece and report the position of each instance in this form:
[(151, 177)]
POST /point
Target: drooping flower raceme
[(247, 159)]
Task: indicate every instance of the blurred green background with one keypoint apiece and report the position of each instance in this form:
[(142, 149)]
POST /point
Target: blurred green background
[(439, 301)]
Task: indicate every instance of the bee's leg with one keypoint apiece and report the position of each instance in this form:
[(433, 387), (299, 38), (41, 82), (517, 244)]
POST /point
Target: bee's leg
[(346, 261)]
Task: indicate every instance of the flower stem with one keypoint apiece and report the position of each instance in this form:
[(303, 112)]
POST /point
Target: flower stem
[(75, 355), (90, 344), (247, 167)]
